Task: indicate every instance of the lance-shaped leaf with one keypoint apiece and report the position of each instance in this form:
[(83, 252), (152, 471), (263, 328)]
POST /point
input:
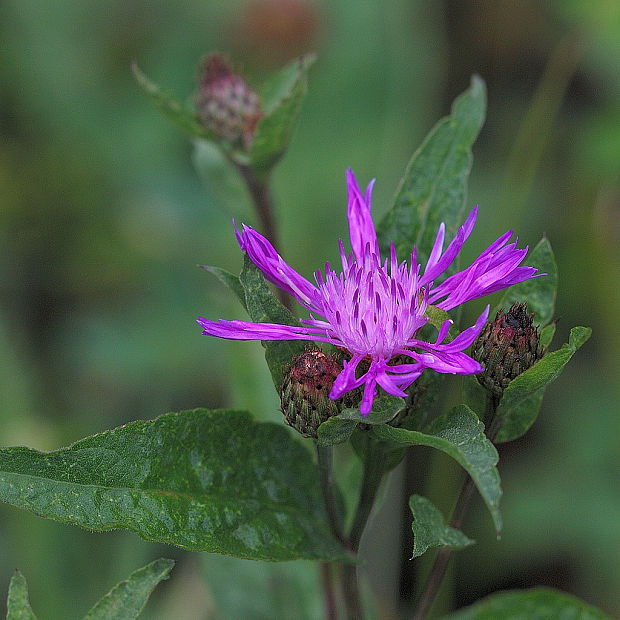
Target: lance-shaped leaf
[(203, 480), (183, 117), (430, 529), (282, 97), (539, 293), (263, 307), (127, 599), (537, 603), (461, 436), (230, 280), (521, 400), (434, 187), (17, 604)]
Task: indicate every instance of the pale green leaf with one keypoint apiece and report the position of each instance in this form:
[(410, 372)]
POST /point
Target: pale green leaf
[(18, 605), (127, 599)]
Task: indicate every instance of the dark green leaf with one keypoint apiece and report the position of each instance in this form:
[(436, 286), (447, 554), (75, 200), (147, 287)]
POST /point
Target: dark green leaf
[(282, 99), (334, 431), (203, 480), (520, 401), (18, 605), (263, 307), (534, 604), (184, 118), (461, 436), (538, 292), (384, 409), (230, 280), (430, 529), (434, 186), (126, 600)]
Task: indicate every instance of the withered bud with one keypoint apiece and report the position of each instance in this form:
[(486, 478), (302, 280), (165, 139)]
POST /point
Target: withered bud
[(304, 397), (225, 103), (507, 347)]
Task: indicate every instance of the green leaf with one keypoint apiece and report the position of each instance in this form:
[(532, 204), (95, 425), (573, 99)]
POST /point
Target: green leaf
[(546, 335), (521, 400), (461, 436), (534, 604), (230, 280), (539, 292), (282, 99), (430, 529), (384, 409), (184, 118), (437, 317), (263, 307), (127, 599), (434, 187), (338, 429), (18, 605), (334, 431), (202, 480)]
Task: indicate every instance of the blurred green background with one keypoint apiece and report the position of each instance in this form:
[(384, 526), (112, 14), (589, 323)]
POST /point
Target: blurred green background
[(105, 212)]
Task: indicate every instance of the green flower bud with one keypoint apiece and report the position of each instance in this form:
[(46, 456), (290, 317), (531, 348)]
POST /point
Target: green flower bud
[(305, 391), (225, 103), (507, 347)]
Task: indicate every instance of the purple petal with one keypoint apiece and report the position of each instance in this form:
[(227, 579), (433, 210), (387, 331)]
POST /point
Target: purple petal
[(275, 269), (436, 265), (361, 227), (244, 330), (346, 380)]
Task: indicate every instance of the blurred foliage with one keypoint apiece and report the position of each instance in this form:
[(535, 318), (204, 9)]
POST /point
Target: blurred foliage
[(103, 219)]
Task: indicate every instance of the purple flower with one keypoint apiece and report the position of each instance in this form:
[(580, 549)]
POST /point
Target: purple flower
[(374, 310)]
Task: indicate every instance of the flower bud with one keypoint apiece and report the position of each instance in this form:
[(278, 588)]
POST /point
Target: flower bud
[(225, 103), (304, 396), (507, 347)]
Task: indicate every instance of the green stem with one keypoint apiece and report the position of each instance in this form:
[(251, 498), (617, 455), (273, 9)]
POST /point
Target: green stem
[(438, 571), (328, 591), (350, 591)]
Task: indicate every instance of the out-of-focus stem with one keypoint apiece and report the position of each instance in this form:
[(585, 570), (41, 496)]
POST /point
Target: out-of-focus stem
[(328, 591), (326, 482), (261, 198)]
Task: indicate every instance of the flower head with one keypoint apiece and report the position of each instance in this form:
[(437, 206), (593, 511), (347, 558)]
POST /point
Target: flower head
[(507, 347), (374, 308), (225, 103)]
